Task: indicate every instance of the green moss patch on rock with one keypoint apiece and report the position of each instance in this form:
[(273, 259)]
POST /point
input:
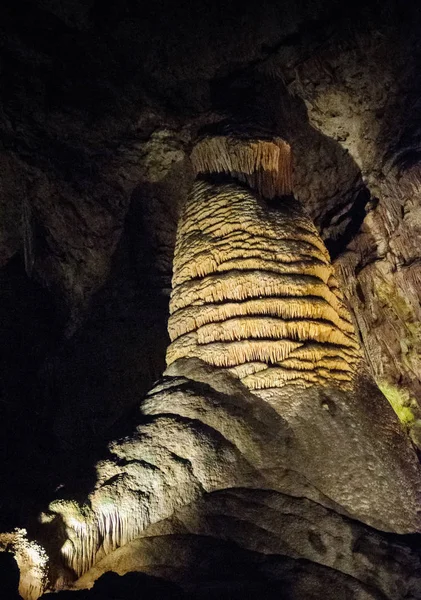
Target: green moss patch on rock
[(406, 409)]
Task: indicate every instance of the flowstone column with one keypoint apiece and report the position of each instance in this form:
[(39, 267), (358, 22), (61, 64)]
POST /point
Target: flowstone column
[(254, 293), (266, 395)]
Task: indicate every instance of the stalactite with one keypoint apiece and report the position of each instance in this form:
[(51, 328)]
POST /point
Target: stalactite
[(97, 532), (264, 165)]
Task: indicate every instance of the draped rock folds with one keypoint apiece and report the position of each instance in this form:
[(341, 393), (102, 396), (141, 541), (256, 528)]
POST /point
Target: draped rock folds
[(249, 153), (264, 165), (202, 431), (254, 291)]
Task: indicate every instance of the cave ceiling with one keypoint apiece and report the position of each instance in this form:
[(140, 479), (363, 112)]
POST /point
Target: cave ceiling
[(100, 104)]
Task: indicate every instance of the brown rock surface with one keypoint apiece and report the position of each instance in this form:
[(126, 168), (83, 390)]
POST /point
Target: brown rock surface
[(100, 104)]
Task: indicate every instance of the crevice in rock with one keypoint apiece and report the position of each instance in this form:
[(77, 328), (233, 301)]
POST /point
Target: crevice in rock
[(352, 218)]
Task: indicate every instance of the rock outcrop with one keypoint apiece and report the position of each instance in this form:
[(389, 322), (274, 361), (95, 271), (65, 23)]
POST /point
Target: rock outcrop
[(201, 431)]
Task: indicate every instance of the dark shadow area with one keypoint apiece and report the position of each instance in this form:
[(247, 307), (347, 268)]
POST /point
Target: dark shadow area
[(9, 577), (61, 399), (133, 585), (30, 330), (97, 379), (352, 218), (400, 132)]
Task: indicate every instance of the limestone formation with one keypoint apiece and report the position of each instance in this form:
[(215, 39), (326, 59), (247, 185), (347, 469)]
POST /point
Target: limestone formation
[(265, 463), (264, 165), (265, 400), (254, 290), (202, 432)]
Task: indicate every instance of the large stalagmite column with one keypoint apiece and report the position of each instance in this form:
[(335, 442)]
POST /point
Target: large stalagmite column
[(254, 293), (253, 287)]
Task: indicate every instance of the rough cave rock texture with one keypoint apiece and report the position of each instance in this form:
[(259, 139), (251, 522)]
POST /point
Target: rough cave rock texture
[(331, 440), (283, 546), (366, 98), (254, 292), (202, 431), (253, 287), (100, 104)]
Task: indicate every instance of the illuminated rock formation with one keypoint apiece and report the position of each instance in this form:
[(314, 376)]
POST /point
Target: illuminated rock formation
[(264, 164), (254, 290), (212, 459), (265, 400)]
